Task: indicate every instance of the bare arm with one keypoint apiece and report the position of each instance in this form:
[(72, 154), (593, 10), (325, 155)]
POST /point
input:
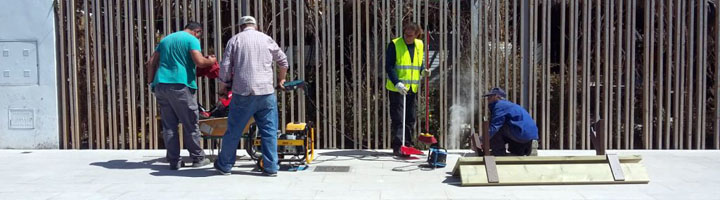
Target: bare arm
[(151, 66), (281, 59), (200, 61), (226, 65), (282, 72)]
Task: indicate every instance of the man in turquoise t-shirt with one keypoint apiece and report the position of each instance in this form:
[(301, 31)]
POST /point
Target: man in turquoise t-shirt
[(171, 72)]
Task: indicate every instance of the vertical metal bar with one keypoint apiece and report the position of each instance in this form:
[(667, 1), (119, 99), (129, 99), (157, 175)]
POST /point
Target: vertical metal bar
[(332, 85), (98, 46), (291, 53), (74, 81), (561, 125), (261, 13), (513, 88), (716, 140), (473, 59), (342, 75), (132, 109), (108, 63), (61, 15), (441, 35), (326, 85), (142, 75), (628, 73), (316, 57), (573, 75), (677, 119), (606, 83), (131, 79), (496, 46), (301, 38), (73, 76), (152, 101), (691, 74), (585, 92), (123, 45), (651, 77), (668, 75), (661, 82), (88, 92), (619, 85), (232, 16), (282, 46), (700, 125), (368, 67), (218, 42), (481, 59), (532, 90), (506, 36), (177, 15), (546, 75), (610, 84), (116, 49), (525, 47), (378, 66), (598, 63), (683, 41), (356, 76), (443, 64), (646, 78), (184, 13), (633, 74)]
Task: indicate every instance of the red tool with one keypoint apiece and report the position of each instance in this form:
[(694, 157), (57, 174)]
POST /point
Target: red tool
[(426, 137), (405, 150)]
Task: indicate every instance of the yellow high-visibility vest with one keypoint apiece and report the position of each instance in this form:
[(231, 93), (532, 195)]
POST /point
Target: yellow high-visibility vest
[(407, 70)]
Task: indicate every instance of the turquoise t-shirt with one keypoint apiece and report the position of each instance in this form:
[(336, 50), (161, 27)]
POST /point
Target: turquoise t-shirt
[(175, 65)]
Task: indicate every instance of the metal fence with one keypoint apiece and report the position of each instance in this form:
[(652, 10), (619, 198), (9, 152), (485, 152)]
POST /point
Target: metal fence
[(649, 68)]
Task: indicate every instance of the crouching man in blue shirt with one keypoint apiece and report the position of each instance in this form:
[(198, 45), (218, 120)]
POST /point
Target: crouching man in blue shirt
[(510, 124)]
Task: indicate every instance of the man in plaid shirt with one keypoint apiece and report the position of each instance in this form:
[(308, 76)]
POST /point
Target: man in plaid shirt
[(247, 66)]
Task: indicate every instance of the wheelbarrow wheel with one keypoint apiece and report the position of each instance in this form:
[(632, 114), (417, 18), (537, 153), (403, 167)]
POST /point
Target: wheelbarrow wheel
[(252, 150)]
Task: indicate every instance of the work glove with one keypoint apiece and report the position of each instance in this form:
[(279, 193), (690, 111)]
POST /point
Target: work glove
[(425, 73), (401, 88)]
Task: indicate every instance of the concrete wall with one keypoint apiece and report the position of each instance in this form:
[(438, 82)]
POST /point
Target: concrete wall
[(28, 80)]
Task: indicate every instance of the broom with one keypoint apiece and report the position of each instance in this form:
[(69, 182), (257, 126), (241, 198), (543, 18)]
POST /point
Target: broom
[(405, 150), (426, 137)]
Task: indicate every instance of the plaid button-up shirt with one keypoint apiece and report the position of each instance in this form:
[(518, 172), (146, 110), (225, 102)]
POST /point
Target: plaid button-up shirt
[(247, 63)]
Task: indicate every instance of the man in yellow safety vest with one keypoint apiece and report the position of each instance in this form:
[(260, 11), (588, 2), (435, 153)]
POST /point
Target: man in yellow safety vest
[(404, 68)]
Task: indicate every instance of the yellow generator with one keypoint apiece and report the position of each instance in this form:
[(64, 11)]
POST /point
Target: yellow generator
[(295, 147)]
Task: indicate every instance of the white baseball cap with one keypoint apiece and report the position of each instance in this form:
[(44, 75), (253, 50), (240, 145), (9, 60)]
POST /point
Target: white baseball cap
[(247, 20)]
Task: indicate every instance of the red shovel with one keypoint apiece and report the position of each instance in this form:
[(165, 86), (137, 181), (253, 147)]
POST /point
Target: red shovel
[(426, 137)]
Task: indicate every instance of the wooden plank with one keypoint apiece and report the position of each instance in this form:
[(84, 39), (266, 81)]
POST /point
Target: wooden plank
[(463, 161), (615, 167), (491, 169), (553, 174), (548, 159)]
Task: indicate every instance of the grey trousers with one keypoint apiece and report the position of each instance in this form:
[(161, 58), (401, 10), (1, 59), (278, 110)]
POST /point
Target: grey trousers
[(177, 104)]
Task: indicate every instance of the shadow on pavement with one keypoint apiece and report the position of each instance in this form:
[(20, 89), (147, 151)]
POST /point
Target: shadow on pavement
[(159, 167)]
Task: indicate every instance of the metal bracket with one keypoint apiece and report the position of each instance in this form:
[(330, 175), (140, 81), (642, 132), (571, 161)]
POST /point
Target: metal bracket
[(615, 167), (491, 169)]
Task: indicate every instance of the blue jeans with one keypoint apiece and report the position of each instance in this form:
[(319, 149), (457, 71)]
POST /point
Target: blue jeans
[(264, 109)]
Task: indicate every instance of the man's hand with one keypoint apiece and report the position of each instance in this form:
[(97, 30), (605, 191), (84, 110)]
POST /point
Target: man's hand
[(151, 67), (281, 83), (401, 88), (426, 73), (212, 58)]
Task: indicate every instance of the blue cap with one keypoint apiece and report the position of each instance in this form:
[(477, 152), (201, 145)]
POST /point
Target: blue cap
[(495, 91)]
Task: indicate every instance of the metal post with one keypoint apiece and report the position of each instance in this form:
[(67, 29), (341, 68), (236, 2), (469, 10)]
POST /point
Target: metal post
[(525, 46)]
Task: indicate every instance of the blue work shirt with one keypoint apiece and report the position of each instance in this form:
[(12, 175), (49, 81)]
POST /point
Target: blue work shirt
[(517, 121)]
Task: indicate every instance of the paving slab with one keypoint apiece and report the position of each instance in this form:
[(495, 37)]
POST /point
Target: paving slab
[(144, 174)]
